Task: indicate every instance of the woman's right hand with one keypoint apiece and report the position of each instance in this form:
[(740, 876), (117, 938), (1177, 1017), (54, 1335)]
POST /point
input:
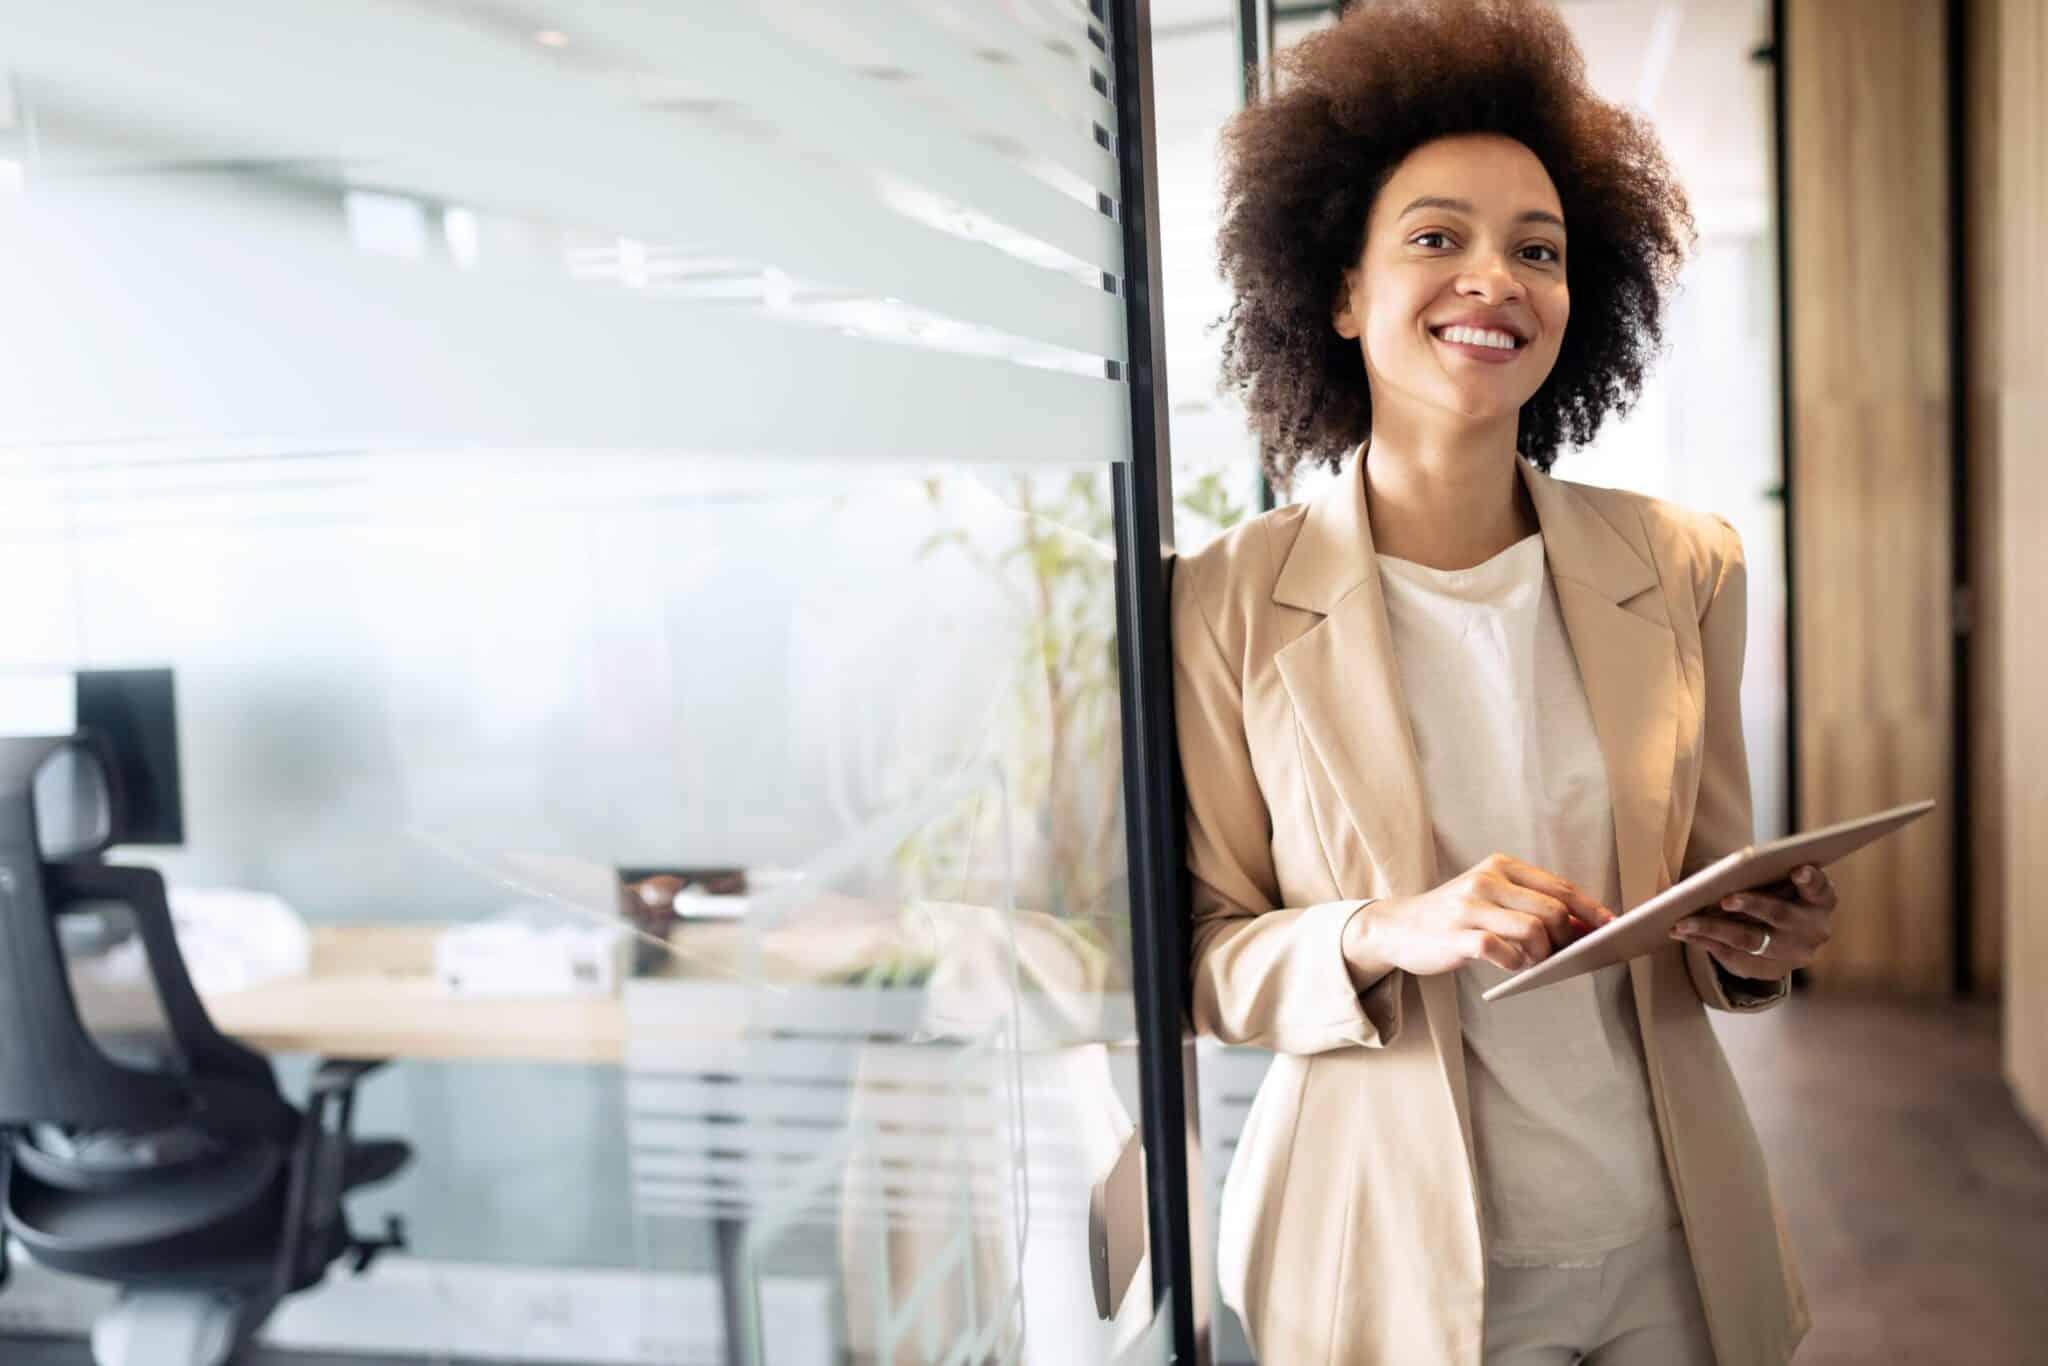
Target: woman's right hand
[(1507, 912)]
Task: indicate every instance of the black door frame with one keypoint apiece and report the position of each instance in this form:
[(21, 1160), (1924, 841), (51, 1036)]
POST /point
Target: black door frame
[(1142, 502)]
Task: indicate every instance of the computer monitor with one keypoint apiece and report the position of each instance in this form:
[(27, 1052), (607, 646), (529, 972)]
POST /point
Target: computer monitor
[(134, 711), (133, 714)]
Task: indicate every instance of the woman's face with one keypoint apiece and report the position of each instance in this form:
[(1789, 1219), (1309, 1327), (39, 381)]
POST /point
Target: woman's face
[(1467, 233)]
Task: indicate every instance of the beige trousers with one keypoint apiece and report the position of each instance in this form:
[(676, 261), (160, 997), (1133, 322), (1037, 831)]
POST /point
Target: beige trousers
[(1639, 1305)]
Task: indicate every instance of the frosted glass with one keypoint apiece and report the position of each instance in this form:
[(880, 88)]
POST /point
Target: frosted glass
[(696, 227), (676, 439)]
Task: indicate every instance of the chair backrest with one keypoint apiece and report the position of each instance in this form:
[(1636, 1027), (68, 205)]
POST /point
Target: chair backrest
[(51, 1070)]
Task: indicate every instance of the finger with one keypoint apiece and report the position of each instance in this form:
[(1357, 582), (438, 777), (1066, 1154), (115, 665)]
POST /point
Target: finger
[(1813, 886), (1511, 896), (1729, 932), (1773, 911), (1551, 885), (1525, 932), (1787, 919), (1805, 883), (1493, 949)]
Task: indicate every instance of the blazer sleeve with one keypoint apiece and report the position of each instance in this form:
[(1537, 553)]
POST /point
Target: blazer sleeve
[(1722, 818), (1261, 974)]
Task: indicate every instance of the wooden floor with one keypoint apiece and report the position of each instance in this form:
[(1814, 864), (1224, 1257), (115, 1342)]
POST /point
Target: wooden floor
[(1917, 1194)]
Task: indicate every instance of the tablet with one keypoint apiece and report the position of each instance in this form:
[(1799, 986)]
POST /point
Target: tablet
[(1647, 928)]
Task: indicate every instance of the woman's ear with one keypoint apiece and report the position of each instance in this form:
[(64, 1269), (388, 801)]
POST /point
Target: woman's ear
[(1343, 314)]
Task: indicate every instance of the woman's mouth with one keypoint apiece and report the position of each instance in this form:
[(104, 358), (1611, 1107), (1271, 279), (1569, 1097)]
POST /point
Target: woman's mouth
[(1480, 343)]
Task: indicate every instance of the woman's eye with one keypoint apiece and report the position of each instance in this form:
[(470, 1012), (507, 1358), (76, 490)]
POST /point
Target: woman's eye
[(1422, 238), (1550, 256)]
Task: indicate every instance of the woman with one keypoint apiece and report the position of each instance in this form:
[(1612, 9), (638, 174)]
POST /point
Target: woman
[(1453, 712)]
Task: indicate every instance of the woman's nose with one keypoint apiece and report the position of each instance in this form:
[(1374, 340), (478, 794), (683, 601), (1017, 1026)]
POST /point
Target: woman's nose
[(1492, 281)]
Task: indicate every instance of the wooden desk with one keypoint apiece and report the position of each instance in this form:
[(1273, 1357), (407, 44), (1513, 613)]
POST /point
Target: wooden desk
[(371, 994)]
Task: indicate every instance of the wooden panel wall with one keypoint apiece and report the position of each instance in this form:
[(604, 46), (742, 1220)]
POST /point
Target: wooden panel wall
[(2008, 317), (1984, 319), (1868, 273)]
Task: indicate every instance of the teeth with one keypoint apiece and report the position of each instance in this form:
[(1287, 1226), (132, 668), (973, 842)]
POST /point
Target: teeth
[(1479, 336)]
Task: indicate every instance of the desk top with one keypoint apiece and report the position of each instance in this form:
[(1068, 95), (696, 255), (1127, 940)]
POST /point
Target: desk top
[(371, 994)]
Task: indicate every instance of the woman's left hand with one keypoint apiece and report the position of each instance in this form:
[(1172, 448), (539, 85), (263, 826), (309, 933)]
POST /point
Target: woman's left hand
[(1766, 932)]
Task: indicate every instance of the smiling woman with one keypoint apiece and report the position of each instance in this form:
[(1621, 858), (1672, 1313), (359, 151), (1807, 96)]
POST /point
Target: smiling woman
[(1445, 717), (1468, 299), (1303, 166)]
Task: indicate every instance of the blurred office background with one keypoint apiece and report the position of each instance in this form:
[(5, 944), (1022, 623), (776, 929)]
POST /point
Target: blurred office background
[(546, 444)]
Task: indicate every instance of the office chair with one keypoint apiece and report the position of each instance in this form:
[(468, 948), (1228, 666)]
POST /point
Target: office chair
[(187, 1179)]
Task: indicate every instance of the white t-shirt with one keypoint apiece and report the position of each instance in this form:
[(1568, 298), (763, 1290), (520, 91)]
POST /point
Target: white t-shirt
[(1564, 1126)]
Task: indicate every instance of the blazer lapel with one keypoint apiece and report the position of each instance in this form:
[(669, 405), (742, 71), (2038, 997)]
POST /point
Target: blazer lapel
[(1628, 660), (1346, 690), (1345, 684)]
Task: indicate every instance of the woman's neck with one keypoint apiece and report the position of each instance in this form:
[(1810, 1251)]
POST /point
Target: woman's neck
[(1449, 503)]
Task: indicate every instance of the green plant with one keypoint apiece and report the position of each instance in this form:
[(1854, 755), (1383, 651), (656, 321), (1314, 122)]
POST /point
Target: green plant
[(1064, 763)]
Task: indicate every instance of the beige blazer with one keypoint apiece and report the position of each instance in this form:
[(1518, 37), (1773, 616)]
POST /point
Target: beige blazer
[(1349, 1231)]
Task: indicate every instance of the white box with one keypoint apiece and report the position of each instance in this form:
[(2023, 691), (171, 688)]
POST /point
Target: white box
[(531, 951)]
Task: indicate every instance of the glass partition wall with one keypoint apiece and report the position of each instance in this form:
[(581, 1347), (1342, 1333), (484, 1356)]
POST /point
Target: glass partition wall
[(639, 489)]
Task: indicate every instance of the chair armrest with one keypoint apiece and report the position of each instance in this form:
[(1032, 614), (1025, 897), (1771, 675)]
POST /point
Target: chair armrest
[(313, 1197), (335, 1075)]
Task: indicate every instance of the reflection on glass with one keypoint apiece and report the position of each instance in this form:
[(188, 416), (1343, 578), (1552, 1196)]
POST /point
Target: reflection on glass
[(839, 1089), (895, 1084)]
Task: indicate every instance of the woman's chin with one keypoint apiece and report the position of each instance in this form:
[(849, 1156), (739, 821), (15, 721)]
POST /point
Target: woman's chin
[(1480, 408)]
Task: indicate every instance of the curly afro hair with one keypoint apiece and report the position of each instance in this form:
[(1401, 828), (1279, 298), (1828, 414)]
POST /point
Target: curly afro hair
[(1302, 166)]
